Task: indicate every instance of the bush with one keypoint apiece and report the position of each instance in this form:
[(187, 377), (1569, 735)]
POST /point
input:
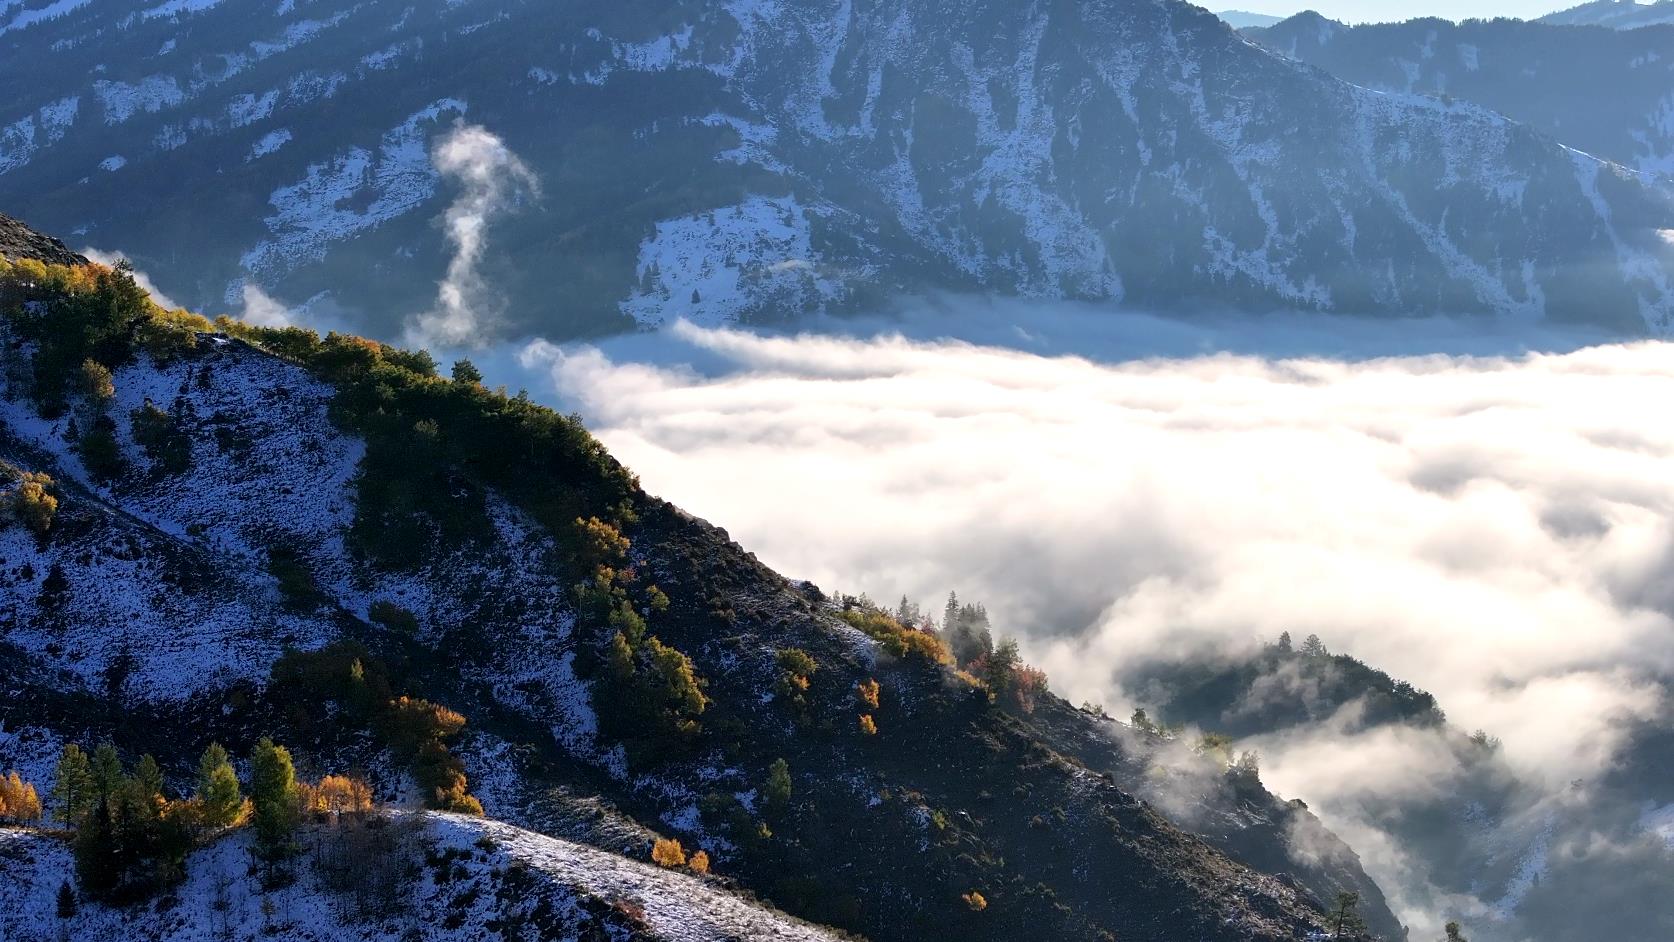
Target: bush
[(32, 504), (18, 800), (976, 901), (867, 692), (868, 727), (667, 852), (699, 863), (896, 638), (159, 434)]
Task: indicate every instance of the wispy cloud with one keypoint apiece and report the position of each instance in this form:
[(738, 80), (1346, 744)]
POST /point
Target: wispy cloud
[(492, 179)]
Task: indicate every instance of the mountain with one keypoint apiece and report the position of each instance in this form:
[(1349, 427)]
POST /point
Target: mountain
[(1238, 19), (1616, 14), (1608, 93), (765, 161), (256, 532), (1514, 858)]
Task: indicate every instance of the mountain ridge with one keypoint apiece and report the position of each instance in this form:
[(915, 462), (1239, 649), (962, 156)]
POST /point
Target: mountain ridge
[(766, 162)]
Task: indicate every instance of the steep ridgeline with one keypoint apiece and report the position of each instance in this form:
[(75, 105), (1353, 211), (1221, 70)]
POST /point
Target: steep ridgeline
[(1514, 858), (1616, 14), (1609, 93), (763, 159), (253, 529)]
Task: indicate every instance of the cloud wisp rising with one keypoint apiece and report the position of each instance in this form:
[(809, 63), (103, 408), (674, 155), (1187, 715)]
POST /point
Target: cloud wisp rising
[(492, 181)]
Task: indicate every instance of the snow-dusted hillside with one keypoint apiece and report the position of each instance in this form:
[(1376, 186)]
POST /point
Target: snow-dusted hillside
[(151, 611), (476, 879), (759, 159)]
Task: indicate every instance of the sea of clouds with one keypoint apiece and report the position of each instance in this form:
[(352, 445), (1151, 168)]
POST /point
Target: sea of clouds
[(1494, 527)]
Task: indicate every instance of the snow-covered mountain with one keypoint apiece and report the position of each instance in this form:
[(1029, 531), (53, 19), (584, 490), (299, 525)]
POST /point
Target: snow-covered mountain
[(1616, 14), (1608, 93), (241, 494), (1239, 19), (763, 159)]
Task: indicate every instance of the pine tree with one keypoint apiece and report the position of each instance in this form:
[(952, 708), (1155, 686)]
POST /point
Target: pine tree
[(273, 792), (776, 793), (66, 901), (107, 770), (950, 614), (73, 787), (466, 372), (1345, 919), (218, 792), (148, 778), (1454, 934), (1313, 647)]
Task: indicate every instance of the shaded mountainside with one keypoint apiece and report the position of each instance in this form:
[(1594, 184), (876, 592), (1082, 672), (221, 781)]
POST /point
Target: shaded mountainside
[(241, 497), (1551, 861), (764, 159), (1608, 93)]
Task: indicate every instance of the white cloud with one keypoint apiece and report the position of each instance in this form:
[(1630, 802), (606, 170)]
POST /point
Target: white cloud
[(140, 277), (493, 180), (1495, 530), (262, 309)]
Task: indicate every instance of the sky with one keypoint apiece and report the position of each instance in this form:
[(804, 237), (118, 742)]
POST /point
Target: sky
[(1378, 11)]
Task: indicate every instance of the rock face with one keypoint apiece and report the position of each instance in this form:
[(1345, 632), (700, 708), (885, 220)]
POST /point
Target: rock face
[(765, 159), (18, 241), (153, 607), (1608, 93)]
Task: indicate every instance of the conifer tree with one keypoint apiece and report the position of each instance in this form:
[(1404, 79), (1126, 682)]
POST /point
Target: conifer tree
[(148, 778), (66, 901), (273, 792), (73, 787), (218, 792), (776, 793), (1454, 933), (107, 770)]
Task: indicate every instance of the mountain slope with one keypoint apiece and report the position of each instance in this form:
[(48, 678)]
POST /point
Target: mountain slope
[(308, 492), (766, 160), (1605, 92), (477, 879)]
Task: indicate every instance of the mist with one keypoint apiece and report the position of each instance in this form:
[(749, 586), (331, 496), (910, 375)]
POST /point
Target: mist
[(1491, 526)]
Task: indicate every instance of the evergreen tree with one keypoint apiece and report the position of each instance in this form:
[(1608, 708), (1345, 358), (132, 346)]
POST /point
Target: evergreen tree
[(1000, 667), (776, 793), (273, 792), (1345, 920), (218, 792), (950, 614), (148, 778), (107, 770), (73, 787), (1454, 934), (1284, 643), (1313, 647), (66, 901), (464, 371)]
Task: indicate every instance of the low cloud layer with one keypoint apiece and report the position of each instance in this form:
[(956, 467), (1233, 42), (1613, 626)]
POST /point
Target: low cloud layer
[(492, 180), (1496, 530)]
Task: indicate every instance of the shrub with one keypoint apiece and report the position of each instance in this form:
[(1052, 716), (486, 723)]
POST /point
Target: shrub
[(95, 382), (975, 901), (796, 671), (776, 792), (18, 800), (867, 693), (159, 434), (394, 617), (99, 451), (896, 638), (32, 504), (667, 852), (699, 863), (867, 726)]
